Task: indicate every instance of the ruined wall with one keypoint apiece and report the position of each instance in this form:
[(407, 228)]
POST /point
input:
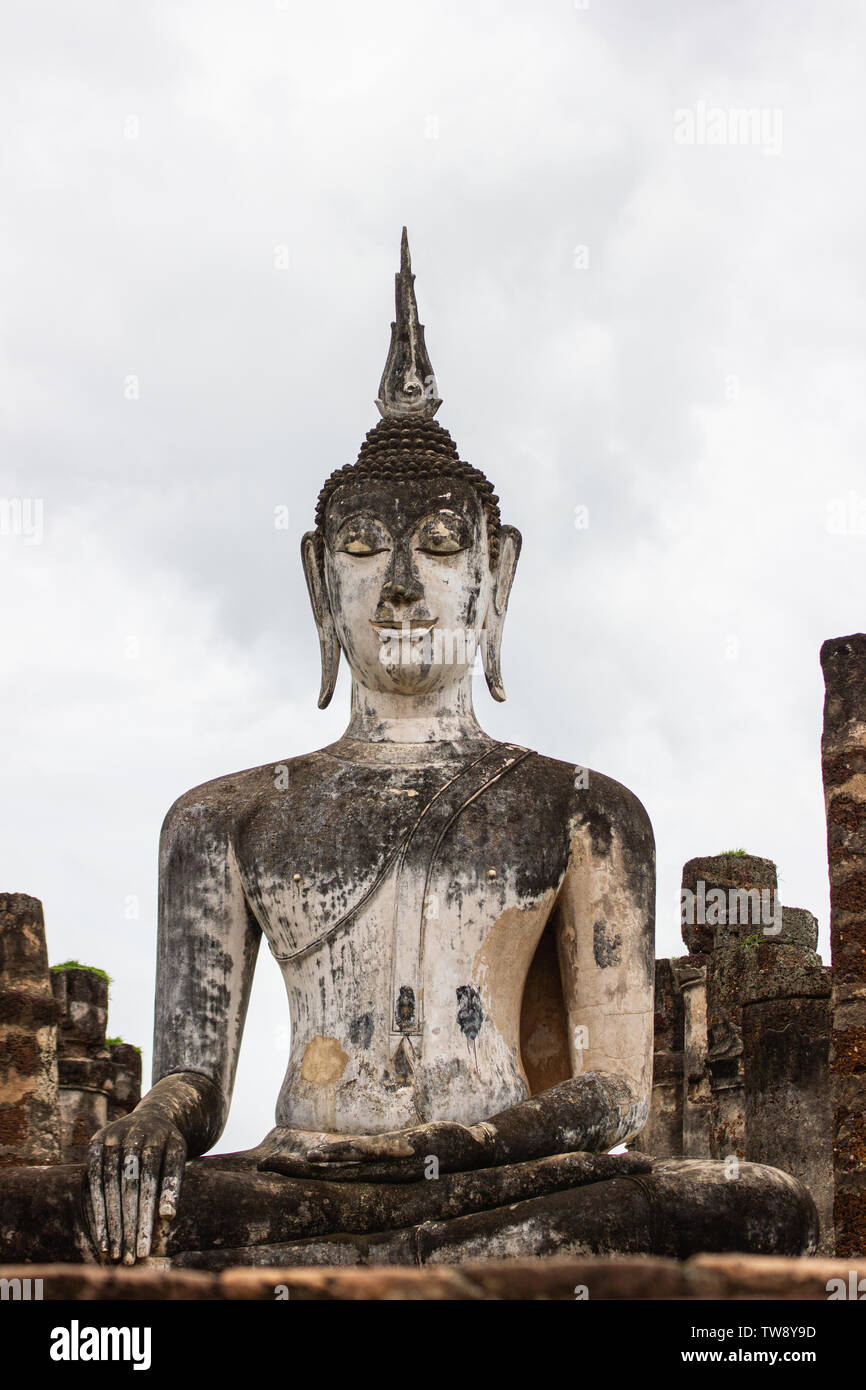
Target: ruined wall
[(690, 976), (663, 1131), (734, 879), (98, 1081), (785, 993), (29, 1101), (749, 1007), (843, 751), (60, 1080)]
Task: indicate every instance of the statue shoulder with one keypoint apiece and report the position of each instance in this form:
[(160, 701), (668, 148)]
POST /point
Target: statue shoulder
[(597, 805), (219, 803)]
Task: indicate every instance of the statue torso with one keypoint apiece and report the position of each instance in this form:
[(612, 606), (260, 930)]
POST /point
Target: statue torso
[(404, 938)]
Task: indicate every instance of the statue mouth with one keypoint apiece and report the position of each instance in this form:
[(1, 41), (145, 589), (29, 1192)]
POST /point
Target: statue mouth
[(403, 627)]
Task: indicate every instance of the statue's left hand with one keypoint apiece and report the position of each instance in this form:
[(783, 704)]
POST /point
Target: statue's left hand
[(403, 1153), (442, 1138)]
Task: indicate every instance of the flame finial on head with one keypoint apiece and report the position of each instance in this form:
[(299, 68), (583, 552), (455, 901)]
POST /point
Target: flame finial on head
[(408, 386)]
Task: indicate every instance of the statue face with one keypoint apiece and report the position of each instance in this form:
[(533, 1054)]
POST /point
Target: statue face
[(408, 579)]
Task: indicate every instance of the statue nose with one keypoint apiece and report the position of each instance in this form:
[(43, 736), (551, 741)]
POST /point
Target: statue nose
[(401, 593), (402, 583)]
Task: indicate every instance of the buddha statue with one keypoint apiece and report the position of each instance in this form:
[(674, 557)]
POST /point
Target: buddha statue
[(464, 926)]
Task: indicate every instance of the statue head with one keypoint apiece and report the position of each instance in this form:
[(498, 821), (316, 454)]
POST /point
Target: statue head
[(409, 568)]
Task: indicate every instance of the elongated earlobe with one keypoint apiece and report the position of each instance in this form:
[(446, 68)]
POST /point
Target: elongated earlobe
[(329, 645), (510, 541)]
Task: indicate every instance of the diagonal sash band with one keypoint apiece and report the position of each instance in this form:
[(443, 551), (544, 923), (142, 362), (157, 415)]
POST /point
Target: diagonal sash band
[(411, 863), (414, 870)]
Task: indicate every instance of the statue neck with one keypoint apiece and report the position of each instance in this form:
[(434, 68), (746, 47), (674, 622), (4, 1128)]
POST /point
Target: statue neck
[(439, 717)]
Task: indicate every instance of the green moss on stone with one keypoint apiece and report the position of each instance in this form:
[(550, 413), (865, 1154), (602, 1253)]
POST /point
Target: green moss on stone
[(78, 965)]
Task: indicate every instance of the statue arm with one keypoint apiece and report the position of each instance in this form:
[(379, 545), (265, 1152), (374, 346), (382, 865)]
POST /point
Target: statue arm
[(604, 922), (208, 942), (207, 946)]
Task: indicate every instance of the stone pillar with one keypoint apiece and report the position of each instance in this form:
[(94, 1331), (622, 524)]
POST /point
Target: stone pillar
[(785, 994), (125, 1088), (733, 897), (843, 753), (690, 976), (662, 1135), (84, 1062), (29, 1103), (799, 928), (100, 1080)]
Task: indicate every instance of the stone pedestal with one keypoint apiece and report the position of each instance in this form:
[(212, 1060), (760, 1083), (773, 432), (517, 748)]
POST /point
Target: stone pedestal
[(29, 1103), (843, 751)]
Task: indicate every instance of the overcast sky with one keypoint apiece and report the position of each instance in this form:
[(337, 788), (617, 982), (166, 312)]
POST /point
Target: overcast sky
[(199, 231)]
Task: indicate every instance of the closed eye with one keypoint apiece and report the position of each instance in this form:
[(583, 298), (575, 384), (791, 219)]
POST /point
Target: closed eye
[(443, 547), (362, 536), (444, 533), (357, 546)]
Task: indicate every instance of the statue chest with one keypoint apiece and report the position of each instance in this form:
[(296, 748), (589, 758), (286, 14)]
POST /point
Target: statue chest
[(410, 857), (405, 929)]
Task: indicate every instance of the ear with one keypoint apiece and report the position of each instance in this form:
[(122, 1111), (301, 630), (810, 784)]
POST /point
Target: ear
[(329, 645), (510, 541)]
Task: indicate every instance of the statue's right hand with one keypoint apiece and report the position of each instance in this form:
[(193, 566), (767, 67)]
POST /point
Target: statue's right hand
[(133, 1166)]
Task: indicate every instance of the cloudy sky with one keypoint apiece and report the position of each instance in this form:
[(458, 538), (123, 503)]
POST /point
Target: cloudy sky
[(198, 236)]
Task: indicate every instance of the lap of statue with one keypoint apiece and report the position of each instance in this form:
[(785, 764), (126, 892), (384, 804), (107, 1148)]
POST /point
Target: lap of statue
[(235, 1209)]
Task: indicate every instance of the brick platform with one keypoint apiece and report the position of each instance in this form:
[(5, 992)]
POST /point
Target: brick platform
[(704, 1277)]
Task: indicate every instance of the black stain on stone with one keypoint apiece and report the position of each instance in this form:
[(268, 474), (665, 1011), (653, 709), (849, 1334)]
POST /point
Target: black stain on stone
[(600, 833), (617, 808), (405, 1011), (402, 1065), (648, 946), (606, 945), (470, 1014), (361, 1030)]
